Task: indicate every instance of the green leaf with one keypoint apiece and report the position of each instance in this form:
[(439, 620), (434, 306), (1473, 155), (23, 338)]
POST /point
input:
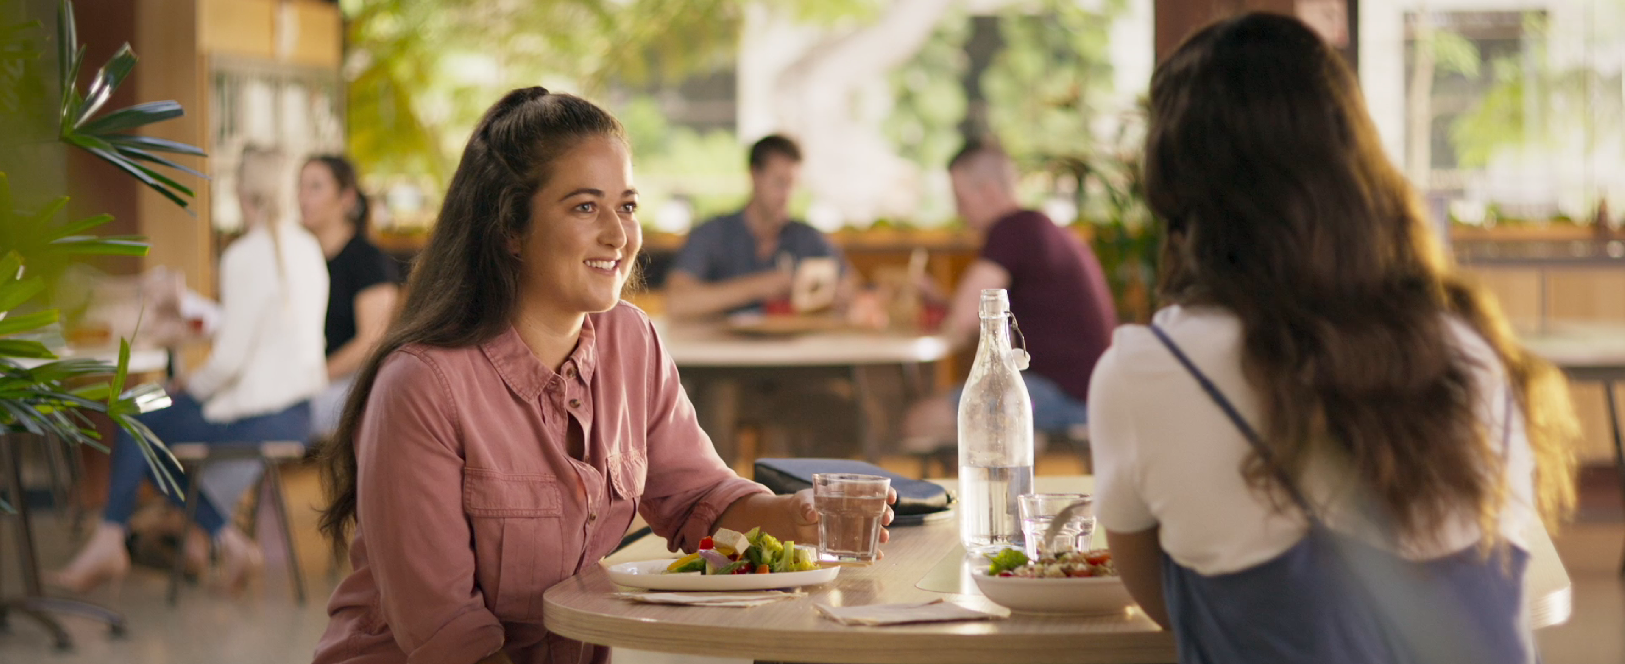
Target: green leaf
[(15, 324), (50, 210), (67, 41), (71, 100), (153, 144), (146, 175), (25, 349), (97, 392), (123, 369), (81, 226), (14, 293), (72, 368), (144, 155), (133, 117), (11, 266), (108, 78), (89, 245)]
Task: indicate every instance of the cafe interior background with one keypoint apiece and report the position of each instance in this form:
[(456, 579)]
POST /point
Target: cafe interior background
[(1507, 115)]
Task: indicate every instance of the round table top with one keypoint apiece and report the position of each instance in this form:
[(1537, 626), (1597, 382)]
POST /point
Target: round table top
[(582, 608), (712, 345)]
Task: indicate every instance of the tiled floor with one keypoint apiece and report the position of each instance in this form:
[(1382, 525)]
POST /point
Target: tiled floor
[(266, 627)]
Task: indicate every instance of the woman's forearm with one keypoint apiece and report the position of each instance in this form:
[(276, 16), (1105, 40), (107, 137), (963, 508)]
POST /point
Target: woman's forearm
[(348, 358)]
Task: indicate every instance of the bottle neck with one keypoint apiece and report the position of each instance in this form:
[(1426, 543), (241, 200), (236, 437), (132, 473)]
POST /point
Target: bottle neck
[(994, 344)]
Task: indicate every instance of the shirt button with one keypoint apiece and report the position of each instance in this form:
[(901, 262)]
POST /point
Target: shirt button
[(575, 403), (570, 372), (592, 517)]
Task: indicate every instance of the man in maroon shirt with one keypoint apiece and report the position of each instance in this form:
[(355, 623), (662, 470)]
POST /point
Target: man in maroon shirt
[(1058, 295)]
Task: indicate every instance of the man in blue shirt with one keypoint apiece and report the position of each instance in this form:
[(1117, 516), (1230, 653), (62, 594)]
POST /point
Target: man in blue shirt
[(739, 261)]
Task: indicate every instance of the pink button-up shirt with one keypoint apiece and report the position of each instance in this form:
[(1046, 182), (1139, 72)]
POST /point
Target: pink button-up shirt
[(470, 503)]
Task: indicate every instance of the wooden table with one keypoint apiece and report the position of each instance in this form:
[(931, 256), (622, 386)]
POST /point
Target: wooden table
[(710, 347), (1592, 352), (581, 608)]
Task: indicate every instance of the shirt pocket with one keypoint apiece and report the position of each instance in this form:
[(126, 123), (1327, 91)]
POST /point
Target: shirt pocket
[(629, 471), (518, 523)]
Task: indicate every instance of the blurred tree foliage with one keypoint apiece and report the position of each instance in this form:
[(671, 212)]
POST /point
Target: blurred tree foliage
[(1534, 102), (420, 72), (1044, 88)]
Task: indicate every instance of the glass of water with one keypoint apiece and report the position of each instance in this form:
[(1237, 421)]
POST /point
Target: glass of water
[(850, 508), (1039, 510)]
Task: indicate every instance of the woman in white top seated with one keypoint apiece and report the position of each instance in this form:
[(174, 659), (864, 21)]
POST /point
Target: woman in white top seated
[(265, 365), (1328, 447)]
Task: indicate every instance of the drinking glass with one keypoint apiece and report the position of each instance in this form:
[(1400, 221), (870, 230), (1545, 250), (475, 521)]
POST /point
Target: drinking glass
[(850, 507), (1038, 510)]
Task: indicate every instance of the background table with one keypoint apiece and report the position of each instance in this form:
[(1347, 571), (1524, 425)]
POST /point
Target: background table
[(725, 357), (142, 360), (581, 608), (1593, 352)]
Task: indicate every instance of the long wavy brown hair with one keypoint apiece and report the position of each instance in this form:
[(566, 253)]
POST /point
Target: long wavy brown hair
[(1282, 208), (464, 288)]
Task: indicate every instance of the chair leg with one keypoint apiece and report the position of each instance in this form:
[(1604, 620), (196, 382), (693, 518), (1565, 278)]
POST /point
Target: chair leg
[(193, 486), (279, 503)]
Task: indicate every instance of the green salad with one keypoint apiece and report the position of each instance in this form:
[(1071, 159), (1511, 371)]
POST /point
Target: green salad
[(755, 552)]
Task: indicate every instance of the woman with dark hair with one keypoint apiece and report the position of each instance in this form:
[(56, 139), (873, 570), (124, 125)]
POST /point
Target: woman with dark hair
[(518, 415), (1361, 446), (364, 290)]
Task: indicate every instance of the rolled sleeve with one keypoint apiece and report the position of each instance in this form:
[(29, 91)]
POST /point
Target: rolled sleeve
[(409, 504), (689, 486), (1119, 504)]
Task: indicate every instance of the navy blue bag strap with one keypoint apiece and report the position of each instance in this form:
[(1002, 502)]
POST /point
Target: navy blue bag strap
[(1247, 430)]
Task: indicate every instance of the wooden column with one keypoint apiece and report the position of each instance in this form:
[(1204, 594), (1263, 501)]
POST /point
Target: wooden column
[(166, 38)]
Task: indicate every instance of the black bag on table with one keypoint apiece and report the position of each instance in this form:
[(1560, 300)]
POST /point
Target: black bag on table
[(917, 500)]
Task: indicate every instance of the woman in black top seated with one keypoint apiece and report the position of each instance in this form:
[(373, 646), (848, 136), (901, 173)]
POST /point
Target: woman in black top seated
[(364, 281)]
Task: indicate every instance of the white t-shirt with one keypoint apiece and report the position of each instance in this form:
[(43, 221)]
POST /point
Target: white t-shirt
[(269, 351), (1165, 454)]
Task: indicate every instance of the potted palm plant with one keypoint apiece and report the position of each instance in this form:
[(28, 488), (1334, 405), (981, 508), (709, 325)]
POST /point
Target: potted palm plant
[(42, 395)]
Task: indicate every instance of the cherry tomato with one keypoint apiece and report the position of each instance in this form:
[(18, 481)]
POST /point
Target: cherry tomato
[(1098, 558), (734, 557), (707, 543)]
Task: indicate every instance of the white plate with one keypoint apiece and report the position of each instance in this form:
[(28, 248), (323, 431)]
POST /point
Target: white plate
[(651, 574), (1091, 594)]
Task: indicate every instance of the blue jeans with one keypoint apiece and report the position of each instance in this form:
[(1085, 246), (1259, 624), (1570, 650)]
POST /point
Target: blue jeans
[(1053, 409), (183, 422)]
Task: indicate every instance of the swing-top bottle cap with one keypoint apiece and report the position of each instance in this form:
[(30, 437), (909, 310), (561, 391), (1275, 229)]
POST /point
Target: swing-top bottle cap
[(995, 303)]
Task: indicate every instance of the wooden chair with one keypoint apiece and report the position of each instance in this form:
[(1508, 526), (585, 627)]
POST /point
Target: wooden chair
[(195, 457)]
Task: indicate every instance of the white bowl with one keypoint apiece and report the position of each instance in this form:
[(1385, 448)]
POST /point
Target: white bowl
[(1088, 594)]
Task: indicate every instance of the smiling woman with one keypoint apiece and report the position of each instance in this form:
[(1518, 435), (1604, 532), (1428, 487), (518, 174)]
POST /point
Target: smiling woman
[(518, 415)]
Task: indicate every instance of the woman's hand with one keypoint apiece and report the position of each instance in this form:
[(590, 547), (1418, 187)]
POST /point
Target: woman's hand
[(793, 517), (804, 516)]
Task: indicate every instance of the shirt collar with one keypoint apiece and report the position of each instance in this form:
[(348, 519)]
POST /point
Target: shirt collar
[(525, 375)]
